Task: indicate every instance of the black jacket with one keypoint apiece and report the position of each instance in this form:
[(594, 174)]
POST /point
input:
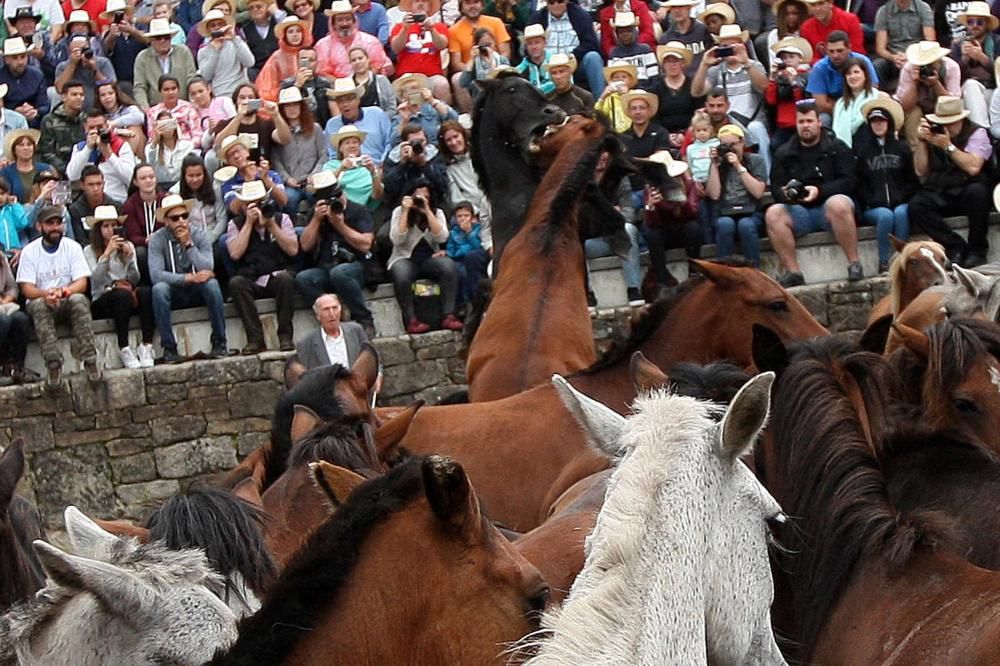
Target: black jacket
[(885, 172), (829, 165)]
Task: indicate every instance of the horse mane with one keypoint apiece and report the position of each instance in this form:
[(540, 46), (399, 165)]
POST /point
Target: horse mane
[(897, 269), (584, 154), (717, 382), (912, 440), (319, 571), (478, 109), (336, 443), (840, 493), (227, 528)]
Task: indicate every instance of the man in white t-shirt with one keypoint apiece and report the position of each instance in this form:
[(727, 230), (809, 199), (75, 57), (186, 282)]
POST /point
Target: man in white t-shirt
[(52, 274)]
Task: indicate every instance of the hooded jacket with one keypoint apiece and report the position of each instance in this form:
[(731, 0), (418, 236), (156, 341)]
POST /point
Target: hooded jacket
[(886, 178), (283, 64)]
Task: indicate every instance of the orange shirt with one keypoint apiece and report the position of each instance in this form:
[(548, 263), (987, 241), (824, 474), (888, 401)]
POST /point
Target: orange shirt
[(460, 34)]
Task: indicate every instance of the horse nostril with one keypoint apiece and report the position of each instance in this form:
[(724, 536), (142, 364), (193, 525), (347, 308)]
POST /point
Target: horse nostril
[(539, 599)]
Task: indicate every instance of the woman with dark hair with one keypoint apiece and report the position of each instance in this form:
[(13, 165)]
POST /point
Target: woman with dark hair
[(21, 151), (269, 129), (484, 61), (789, 15), (187, 117), (676, 102), (304, 155), (377, 91), (208, 212), (858, 90), (165, 150), (123, 113), (886, 179), (140, 213), (211, 110), (419, 232), (463, 182)]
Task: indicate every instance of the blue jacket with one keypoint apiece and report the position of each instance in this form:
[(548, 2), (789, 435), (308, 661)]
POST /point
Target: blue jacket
[(14, 178), (13, 221), (29, 88), (461, 243), (582, 24)]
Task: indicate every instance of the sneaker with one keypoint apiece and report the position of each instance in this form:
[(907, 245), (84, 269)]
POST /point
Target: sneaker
[(452, 323), (369, 327), (53, 378), (146, 358), (855, 272), (93, 372), (219, 350), (792, 279), (129, 359), (416, 327), (170, 355), (591, 299), (635, 296), (286, 344)]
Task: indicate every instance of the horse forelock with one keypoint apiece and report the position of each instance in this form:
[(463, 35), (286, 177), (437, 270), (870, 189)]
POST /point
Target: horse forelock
[(898, 268), (955, 346), (340, 443)]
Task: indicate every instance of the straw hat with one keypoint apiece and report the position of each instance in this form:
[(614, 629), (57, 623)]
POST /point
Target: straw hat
[(224, 174), (3, 90), (339, 7), (346, 132), (434, 6), (291, 3), (948, 110), (286, 23), (289, 95), (720, 8), (408, 80), (214, 15), (344, 87), (676, 49), (207, 6), (159, 27), (732, 31), (500, 70), (651, 99), (887, 104), (231, 142), (980, 10), (321, 180), (535, 30), (14, 46), (674, 167), (25, 12), (679, 3), (924, 53), (624, 20), (560, 60), (80, 16), (105, 214), (113, 7), (792, 44), (252, 190), (16, 135), (622, 66), (996, 197), (170, 202)]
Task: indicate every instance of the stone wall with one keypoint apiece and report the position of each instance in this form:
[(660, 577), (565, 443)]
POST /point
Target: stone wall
[(117, 447)]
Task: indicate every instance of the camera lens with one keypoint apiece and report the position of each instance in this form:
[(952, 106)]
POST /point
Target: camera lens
[(336, 205), (87, 52), (417, 147)]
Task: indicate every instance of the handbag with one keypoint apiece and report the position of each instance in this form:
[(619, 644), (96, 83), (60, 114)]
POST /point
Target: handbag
[(130, 288)]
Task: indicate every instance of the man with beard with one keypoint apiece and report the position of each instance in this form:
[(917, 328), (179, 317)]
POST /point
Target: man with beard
[(461, 39), (975, 54), (52, 274), (826, 79), (812, 179), (26, 88), (332, 51)]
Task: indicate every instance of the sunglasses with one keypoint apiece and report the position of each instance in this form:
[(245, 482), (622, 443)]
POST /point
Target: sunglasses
[(975, 21), (178, 217)]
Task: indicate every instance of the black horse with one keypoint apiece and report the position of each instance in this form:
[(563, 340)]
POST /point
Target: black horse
[(21, 573)]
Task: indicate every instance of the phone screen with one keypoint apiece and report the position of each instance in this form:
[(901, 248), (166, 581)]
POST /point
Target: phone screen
[(60, 195)]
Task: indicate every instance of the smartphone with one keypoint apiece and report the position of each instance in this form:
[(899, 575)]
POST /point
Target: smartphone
[(37, 40), (119, 231), (118, 17), (60, 194), (419, 18), (253, 105), (724, 51)]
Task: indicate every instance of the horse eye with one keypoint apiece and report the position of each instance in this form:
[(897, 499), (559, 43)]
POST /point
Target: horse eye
[(537, 602), (778, 306), (964, 406)]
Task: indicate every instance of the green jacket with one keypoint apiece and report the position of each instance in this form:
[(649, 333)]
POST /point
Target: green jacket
[(147, 71), (60, 132)]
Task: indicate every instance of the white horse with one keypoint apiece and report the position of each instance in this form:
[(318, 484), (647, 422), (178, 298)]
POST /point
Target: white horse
[(677, 568), (118, 602)]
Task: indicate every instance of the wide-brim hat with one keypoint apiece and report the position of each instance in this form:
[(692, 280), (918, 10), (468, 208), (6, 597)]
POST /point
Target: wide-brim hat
[(624, 20), (651, 99), (26, 12), (346, 132), (251, 191), (16, 135), (673, 167), (560, 60), (344, 86), (433, 6), (321, 180), (81, 16), (214, 15), (3, 90), (170, 202), (408, 79), (925, 52), (14, 46), (996, 197), (289, 95), (286, 23), (207, 5), (948, 110), (980, 10), (339, 7), (722, 9), (231, 142), (622, 66), (289, 6), (534, 30), (795, 45), (501, 69), (113, 7), (669, 4), (675, 49), (732, 31), (891, 107), (225, 174), (159, 27), (106, 214)]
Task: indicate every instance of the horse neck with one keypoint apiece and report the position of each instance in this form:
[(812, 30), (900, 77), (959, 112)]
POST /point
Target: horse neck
[(18, 578), (492, 153), (903, 293)]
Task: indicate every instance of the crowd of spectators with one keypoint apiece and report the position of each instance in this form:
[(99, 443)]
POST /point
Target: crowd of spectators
[(162, 154)]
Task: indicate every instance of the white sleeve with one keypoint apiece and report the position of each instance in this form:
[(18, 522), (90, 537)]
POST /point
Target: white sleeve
[(78, 266), (26, 269)]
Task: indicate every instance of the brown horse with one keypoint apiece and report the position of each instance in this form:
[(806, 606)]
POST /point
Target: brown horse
[(868, 584), (406, 571), (537, 323), (21, 572), (918, 265)]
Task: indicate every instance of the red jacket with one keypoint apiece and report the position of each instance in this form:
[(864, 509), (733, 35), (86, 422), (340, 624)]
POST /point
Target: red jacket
[(666, 214), (135, 219), (785, 108), (607, 14)]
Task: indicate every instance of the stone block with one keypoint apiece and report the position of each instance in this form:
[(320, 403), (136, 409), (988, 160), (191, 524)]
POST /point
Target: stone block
[(8, 406), (149, 412), (433, 338), (169, 374), (407, 379), (236, 426), (275, 371), (36, 432), (113, 419), (456, 371), (89, 397), (157, 393), (80, 476), (53, 403), (171, 429), (218, 404), (207, 391), (848, 318), (863, 298), (394, 351), (125, 388), (447, 350), (136, 495), (136, 430), (249, 442), (227, 370), (128, 446), (132, 469), (200, 456), (71, 423), (253, 399), (75, 438), (814, 299)]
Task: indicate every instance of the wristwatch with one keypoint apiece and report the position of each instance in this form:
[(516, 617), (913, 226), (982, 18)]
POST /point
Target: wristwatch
[(951, 148)]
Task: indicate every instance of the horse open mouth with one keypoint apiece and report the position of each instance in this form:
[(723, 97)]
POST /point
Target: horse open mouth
[(542, 132)]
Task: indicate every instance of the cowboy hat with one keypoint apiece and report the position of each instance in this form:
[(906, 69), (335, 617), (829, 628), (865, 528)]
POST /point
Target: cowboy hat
[(25, 12), (14, 46), (289, 95), (948, 110), (224, 174), (679, 3), (433, 6), (339, 7), (651, 99), (159, 27), (251, 191), (980, 10), (105, 214), (888, 105), (207, 6), (674, 167), (720, 8), (286, 23), (170, 202), (80, 16), (291, 4), (622, 66), (214, 15), (925, 53), (500, 70), (344, 87), (996, 197), (50, 212), (113, 7), (409, 79), (792, 44), (535, 30), (676, 49), (346, 132), (16, 135), (321, 180), (624, 20), (560, 60), (732, 31), (231, 142), (3, 90)]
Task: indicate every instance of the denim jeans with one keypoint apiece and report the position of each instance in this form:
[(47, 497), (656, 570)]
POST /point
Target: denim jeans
[(296, 195), (167, 297), (598, 247), (895, 221), (748, 227), (592, 67), (345, 280)]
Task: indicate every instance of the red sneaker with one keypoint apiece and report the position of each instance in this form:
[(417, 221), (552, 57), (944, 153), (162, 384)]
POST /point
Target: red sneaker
[(452, 323), (416, 327)]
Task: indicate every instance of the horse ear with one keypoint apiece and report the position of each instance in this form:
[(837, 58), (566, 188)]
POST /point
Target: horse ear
[(124, 529), (768, 350), (973, 281), (914, 340), (645, 374), (896, 243), (451, 496), (86, 537), (120, 591), (248, 491), (335, 482), (367, 368), (391, 433), (876, 335), (602, 426), (720, 274), (11, 469), (304, 421), (747, 415)]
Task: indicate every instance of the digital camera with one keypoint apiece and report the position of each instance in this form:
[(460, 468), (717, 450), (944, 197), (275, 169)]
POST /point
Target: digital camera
[(927, 71), (795, 190), (87, 52), (417, 147), (268, 209)]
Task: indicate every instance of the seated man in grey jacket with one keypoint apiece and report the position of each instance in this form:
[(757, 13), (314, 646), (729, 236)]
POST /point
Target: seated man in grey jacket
[(181, 267), (335, 341)]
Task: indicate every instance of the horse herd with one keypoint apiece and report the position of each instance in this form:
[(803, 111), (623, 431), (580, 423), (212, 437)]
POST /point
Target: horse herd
[(833, 504)]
